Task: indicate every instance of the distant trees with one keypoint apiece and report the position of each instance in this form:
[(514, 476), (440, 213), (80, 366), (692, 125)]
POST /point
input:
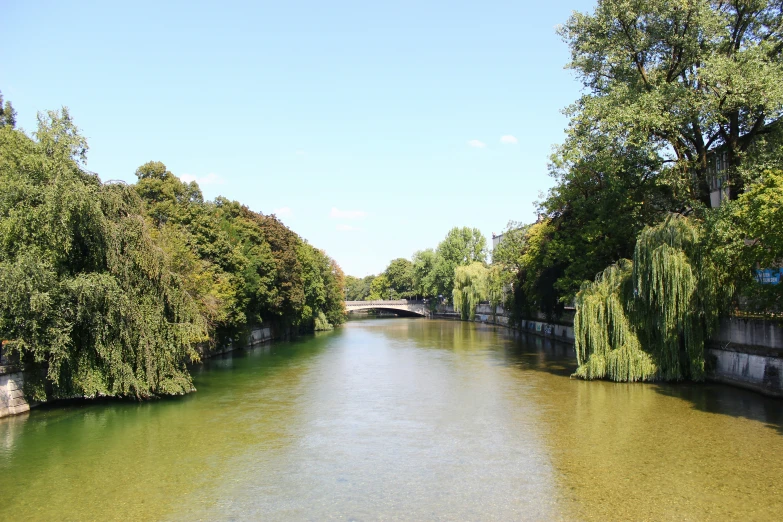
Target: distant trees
[(429, 274), (399, 274), (380, 289), (471, 286), (461, 247), (7, 114), (423, 272), (357, 289)]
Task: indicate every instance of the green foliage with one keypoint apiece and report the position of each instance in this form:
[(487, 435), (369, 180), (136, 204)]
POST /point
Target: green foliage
[(460, 247), (242, 267), (430, 273), (423, 273), (471, 286), (399, 273), (379, 289), (498, 281), (666, 85), (357, 289), (529, 254), (7, 114), (682, 78), (107, 289), (607, 192), (747, 234), (323, 284), (322, 323), (607, 345), (87, 299), (648, 320)]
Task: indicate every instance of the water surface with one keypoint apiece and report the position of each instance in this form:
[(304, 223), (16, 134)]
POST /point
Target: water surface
[(401, 419)]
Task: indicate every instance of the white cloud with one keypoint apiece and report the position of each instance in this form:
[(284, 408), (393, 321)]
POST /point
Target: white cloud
[(477, 144), (508, 138), (283, 212), (209, 179), (346, 214), (348, 228)]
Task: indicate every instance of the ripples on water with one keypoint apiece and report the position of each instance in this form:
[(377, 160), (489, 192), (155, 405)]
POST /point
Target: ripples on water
[(402, 419)]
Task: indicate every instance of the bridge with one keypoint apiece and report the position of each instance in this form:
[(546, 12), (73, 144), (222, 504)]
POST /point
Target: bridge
[(404, 307)]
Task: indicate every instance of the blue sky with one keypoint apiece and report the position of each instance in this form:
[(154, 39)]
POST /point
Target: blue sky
[(369, 129)]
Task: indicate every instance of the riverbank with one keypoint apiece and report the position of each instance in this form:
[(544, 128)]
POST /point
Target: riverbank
[(13, 401), (746, 353)]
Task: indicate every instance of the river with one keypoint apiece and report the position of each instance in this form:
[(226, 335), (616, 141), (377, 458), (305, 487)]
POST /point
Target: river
[(401, 419)]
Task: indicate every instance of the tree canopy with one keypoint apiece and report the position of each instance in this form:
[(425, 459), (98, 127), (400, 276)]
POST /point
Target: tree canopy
[(461, 247), (111, 289), (679, 78)]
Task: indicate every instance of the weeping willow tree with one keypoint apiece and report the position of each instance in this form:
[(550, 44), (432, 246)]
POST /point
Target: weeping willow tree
[(322, 324), (606, 340), (87, 299), (470, 288), (648, 319)]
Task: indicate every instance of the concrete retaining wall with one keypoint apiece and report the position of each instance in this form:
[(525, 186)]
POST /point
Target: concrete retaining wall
[(755, 371), (748, 353), (560, 332), (12, 399), (258, 335), (757, 333)]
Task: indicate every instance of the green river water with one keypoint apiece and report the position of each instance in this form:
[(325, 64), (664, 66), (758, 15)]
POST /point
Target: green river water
[(401, 419)]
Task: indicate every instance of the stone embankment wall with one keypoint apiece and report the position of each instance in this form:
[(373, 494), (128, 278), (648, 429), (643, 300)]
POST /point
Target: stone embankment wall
[(258, 335), (748, 353), (12, 399), (743, 352)]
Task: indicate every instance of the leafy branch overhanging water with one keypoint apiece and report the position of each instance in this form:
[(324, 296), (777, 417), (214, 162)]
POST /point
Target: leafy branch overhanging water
[(648, 319)]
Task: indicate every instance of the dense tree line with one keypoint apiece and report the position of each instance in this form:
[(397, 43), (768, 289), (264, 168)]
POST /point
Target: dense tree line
[(627, 233), (429, 274), (111, 289)]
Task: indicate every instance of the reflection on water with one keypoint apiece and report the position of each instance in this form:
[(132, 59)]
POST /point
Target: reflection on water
[(402, 419)]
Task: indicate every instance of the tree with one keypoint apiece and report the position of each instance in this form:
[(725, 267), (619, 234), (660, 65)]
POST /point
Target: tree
[(423, 273), (323, 285), (648, 319), (498, 282), (379, 289), (399, 273), (358, 289), (353, 288), (685, 78), (747, 234), (110, 289), (7, 114), (535, 261), (470, 288), (511, 247), (59, 137), (607, 191), (460, 247), (87, 299)]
